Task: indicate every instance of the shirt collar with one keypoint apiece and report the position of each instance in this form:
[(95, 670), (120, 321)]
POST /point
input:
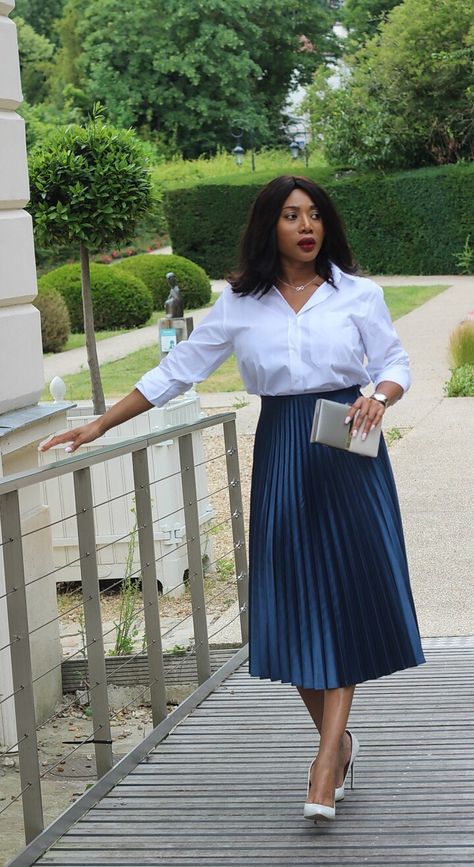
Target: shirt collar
[(338, 275)]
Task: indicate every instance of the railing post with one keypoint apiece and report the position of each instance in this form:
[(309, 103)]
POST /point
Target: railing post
[(21, 665), (146, 544), (193, 539), (93, 620), (238, 529)]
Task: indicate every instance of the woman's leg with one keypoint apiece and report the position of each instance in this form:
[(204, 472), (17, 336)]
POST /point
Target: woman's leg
[(329, 710)]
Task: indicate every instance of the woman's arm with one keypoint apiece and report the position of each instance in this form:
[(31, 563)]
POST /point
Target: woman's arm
[(190, 361), (388, 365), (130, 406)]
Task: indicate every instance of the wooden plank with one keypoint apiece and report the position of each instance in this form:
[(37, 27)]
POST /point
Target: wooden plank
[(227, 786)]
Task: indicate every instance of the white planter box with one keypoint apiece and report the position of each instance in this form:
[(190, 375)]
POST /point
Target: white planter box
[(114, 518)]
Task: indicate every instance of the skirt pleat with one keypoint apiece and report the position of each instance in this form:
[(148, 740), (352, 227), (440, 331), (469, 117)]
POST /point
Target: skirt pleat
[(330, 602)]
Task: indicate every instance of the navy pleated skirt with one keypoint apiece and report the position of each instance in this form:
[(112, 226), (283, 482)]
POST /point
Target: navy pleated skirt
[(330, 602)]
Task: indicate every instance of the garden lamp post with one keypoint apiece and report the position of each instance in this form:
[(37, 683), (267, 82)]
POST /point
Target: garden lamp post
[(298, 143), (238, 152)]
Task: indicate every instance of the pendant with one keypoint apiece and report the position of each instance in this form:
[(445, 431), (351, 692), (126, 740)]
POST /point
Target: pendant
[(299, 288)]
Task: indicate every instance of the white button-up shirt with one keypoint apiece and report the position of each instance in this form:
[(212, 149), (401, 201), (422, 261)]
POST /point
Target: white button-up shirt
[(323, 347)]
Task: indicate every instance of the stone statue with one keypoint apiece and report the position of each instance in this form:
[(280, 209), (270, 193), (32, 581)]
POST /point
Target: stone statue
[(174, 306)]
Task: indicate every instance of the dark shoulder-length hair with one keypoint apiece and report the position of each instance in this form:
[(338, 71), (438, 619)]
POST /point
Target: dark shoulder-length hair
[(259, 258)]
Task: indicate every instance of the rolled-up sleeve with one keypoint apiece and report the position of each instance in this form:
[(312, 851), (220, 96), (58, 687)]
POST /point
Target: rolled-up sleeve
[(386, 357), (190, 361)]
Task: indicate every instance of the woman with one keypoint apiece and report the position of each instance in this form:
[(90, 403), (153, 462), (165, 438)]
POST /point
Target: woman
[(330, 601)]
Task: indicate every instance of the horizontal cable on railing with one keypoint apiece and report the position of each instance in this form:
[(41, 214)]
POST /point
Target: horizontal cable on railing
[(175, 625), (225, 625), (221, 557), (6, 646), (81, 605), (136, 698), (208, 460), (130, 658), (217, 595), (80, 558), (113, 499), (216, 526), (48, 526), (208, 496), (11, 694), (16, 798), (165, 478)]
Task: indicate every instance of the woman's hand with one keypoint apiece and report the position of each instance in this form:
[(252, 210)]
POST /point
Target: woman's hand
[(75, 437), (368, 414)]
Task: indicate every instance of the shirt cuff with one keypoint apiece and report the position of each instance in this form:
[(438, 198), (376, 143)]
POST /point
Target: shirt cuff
[(158, 396), (397, 373)]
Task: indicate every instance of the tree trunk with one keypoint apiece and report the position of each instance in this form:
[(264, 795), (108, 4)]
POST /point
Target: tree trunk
[(92, 360)]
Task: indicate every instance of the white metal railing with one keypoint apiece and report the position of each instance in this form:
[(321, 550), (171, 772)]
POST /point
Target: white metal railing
[(18, 643)]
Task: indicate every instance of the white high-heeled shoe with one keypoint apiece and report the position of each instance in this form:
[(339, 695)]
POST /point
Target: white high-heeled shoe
[(339, 795), (317, 811)]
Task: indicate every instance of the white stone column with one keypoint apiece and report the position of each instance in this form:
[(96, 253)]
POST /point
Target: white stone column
[(22, 423)]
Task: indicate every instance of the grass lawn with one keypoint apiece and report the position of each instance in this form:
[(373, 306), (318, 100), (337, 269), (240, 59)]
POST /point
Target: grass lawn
[(77, 340), (403, 299), (119, 377)]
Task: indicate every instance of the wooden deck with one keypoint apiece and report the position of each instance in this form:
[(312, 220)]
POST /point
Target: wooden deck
[(227, 786)]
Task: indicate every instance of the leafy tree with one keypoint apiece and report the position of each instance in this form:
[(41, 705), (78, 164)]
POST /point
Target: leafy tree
[(362, 17), (186, 73), (36, 52), (406, 97), (41, 15), (89, 186)]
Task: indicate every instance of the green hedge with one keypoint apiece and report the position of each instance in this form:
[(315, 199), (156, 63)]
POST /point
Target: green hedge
[(153, 268), (413, 222), (120, 300)]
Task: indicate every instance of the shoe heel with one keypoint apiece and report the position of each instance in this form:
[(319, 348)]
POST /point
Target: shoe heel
[(352, 775)]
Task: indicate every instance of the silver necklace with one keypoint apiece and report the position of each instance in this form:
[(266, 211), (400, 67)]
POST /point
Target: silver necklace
[(298, 288)]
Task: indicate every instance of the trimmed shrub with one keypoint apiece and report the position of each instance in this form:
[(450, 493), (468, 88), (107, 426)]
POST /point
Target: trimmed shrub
[(412, 222), (55, 323), (461, 383), (120, 300), (152, 269)]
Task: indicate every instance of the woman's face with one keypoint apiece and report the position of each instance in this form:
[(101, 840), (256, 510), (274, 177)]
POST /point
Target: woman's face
[(300, 232)]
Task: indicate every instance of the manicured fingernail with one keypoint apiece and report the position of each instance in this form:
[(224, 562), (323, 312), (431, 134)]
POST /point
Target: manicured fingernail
[(372, 428), (354, 432), (68, 449), (364, 436), (347, 419)]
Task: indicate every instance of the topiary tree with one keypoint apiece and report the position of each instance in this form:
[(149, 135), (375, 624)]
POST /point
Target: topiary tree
[(89, 186), (120, 300), (192, 279)]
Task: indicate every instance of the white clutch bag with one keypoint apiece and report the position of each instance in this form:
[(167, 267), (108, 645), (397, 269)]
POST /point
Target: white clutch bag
[(329, 429)]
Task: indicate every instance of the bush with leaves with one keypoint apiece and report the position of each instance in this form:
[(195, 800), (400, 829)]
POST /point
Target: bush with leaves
[(461, 383), (152, 269), (55, 323), (120, 300), (405, 98), (90, 186)]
